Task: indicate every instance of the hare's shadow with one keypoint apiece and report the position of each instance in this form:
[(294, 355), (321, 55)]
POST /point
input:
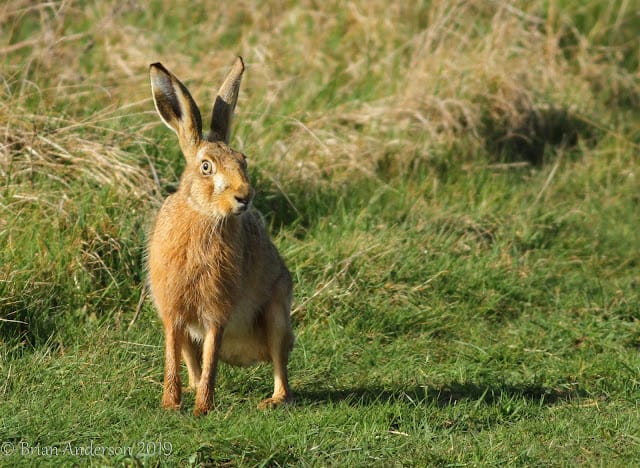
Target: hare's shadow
[(527, 139), (446, 395)]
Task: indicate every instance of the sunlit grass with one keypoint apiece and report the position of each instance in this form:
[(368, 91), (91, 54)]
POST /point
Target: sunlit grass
[(454, 186)]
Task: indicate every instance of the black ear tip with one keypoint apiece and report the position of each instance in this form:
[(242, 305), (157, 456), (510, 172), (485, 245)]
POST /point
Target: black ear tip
[(157, 66)]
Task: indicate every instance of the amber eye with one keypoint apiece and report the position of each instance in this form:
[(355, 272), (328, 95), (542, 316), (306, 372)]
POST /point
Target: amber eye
[(206, 167)]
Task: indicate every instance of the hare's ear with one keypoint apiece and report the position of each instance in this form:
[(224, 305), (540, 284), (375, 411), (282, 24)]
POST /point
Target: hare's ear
[(225, 103), (176, 107)]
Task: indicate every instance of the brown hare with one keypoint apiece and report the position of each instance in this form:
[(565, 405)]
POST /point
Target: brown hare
[(220, 287)]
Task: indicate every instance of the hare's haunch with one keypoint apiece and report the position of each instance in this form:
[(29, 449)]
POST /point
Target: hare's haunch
[(220, 287)]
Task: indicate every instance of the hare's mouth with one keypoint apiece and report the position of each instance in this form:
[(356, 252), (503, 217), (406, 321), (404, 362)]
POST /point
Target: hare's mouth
[(242, 205)]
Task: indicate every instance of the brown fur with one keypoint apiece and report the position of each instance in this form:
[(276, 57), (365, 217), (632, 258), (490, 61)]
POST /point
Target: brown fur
[(221, 288)]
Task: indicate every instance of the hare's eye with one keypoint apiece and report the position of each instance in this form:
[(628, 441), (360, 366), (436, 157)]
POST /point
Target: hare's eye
[(206, 167)]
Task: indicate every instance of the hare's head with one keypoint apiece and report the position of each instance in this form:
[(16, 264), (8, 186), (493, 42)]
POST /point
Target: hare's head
[(215, 178)]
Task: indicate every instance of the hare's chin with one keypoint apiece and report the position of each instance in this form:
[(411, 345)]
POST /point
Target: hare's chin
[(240, 208)]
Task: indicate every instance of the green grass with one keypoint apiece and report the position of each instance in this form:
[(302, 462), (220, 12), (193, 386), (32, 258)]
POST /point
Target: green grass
[(453, 186)]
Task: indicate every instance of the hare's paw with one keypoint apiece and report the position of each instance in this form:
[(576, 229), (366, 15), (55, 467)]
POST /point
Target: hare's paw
[(202, 409), (204, 403), (170, 403), (192, 387), (273, 402)]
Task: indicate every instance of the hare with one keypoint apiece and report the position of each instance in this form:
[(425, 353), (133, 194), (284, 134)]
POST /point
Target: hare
[(220, 287)]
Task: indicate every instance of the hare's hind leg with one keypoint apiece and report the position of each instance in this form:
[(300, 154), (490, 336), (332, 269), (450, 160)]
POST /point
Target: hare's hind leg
[(192, 354), (173, 337), (279, 343)]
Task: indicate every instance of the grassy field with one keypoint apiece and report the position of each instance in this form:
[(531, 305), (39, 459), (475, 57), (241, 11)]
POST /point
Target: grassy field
[(454, 186)]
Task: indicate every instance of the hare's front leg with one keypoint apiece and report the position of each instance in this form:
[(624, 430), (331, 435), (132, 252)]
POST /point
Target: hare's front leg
[(173, 337), (210, 356)]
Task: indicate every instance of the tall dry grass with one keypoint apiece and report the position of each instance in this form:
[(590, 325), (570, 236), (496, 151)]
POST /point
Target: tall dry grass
[(332, 89)]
